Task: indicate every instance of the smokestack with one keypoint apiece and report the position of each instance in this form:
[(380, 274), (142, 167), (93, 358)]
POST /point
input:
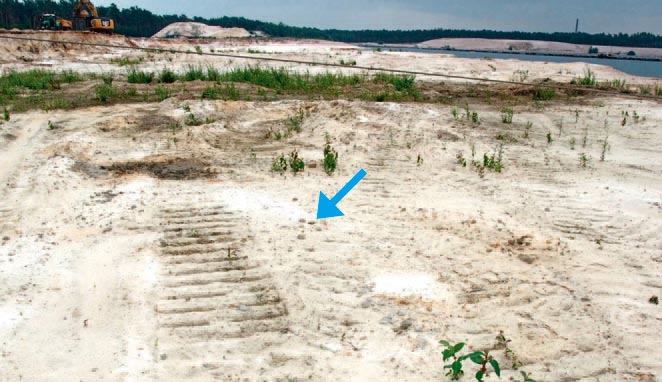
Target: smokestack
[(577, 26)]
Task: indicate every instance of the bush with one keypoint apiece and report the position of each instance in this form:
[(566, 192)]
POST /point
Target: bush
[(136, 76), (167, 76), (593, 50), (330, 161)]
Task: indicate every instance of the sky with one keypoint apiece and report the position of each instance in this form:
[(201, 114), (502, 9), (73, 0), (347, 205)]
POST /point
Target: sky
[(609, 16)]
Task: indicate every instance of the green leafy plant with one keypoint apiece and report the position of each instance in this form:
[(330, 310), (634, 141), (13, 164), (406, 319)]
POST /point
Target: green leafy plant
[(279, 164), (52, 126), (550, 139), (454, 112), (6, 115), (297, 164), (330, 161), (507, 115), (474, 117), (459, 159), (454, 362)]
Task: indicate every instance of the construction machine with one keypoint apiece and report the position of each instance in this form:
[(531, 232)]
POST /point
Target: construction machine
[(49, 21), (86, 17)]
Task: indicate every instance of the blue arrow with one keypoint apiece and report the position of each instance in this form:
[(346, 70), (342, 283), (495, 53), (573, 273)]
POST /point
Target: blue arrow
[(326, 208)]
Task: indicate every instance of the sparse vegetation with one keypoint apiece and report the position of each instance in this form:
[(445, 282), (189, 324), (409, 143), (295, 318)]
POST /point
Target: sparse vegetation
[(192, 120), (550, 139), (7, 117), (226, 92)]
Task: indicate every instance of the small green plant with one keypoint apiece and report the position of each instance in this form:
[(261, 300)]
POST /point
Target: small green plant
[(589, 78), (507, 115), (297, 164), (549, 138), (330, 161), (454, 113), (7, 116), (162, 93), (573, 141), (474, 117), (419, 160), (104, 92), (527, 129), (544, 94), (584, 160), (136, 76), (52, 126), (194, 73), (494, 161), (459, 159), (187, 108), (107, 78), (198, 49), (192, 120), (295, 122), (453, 361), (605, 147), (279, 164), (167, 76)]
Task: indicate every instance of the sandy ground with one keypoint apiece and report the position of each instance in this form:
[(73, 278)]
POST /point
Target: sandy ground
[(534, 46), (229, 277)]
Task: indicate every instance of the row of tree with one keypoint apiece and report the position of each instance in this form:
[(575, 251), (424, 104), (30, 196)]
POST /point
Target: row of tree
[(138, 22)]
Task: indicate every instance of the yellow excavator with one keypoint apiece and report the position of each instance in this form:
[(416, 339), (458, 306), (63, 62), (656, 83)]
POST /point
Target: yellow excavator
[(86, 17)]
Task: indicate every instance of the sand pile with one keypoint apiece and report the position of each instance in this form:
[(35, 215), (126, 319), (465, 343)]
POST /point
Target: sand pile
[(185, 29)]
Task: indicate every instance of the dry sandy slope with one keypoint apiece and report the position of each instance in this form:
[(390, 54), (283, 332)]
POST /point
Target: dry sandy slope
[(129, 278)]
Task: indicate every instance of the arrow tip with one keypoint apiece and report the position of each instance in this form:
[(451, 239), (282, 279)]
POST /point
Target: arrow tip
[(326, 208)]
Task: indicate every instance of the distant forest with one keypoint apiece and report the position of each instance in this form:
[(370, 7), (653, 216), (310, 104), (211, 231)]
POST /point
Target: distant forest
[(138, 22)]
